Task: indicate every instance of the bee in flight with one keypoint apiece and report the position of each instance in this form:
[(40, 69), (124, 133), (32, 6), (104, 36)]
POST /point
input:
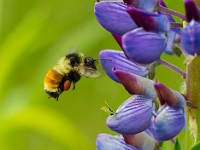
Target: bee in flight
[(69, 70)]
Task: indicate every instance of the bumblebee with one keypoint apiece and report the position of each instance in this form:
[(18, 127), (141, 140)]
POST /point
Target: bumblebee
[(69, 70)]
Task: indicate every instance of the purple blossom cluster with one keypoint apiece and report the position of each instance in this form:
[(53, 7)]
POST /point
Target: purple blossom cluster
[(144, 29)]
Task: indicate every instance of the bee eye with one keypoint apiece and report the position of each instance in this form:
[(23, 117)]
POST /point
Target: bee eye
[(88, 61), (73, 61)]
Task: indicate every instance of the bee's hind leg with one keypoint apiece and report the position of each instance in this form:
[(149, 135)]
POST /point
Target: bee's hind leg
[(74, 86)]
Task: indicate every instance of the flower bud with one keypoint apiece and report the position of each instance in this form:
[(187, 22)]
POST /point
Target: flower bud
[(192, 11), (135, 84)]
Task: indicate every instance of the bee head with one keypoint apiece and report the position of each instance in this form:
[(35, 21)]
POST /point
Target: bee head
[(90, 62)]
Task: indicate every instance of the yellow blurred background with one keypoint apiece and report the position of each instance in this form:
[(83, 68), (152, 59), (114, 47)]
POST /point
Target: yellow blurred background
[(34, 34)]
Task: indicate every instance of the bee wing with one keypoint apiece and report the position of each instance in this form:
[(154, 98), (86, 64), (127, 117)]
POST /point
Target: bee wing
[(88, 72)]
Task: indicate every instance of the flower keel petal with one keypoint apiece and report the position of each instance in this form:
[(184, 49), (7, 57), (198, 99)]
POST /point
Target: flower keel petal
[(143, 47)]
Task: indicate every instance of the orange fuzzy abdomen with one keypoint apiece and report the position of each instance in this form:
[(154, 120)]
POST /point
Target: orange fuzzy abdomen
[(53, 79)]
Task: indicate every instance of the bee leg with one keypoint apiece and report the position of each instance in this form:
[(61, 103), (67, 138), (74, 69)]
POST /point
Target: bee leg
[(73, 86)]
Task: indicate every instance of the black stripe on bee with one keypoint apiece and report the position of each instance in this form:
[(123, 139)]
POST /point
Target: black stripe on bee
[(74, 58)]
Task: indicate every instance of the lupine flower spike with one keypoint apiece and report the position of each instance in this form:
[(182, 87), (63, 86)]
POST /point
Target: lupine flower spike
[(154, 113)]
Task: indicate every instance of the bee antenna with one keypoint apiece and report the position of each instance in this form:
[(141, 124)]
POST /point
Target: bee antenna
[(104, 59)]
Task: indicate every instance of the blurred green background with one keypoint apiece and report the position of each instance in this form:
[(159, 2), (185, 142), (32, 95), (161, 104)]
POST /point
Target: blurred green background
[(34, 34)]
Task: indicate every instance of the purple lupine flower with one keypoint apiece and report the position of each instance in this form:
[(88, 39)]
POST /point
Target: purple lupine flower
[(143, 140), (109, 142), (170, 118), (148, 20), (192, 11), (168, 96), (172, 34), (153, 34), (190, 38), (113, 17), (148, 5), (135, 84), (168, 122), (143, 47), (116, 59), (190, 35), (133, 116), (118, 39)]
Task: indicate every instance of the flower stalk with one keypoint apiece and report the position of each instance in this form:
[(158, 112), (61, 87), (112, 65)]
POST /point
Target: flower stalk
[(193, 96), (173, 67), (176, 25), (170, 12)]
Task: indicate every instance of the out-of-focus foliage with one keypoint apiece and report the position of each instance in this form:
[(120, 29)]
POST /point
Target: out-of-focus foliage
[(177, 145), (196, 147), (34, 34)]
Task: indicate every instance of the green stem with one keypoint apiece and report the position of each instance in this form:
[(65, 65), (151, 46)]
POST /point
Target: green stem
[(193, 96), (197, 2), (193, 81)]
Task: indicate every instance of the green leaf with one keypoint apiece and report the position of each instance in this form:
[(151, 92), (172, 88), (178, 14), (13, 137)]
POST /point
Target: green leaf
[(177, 51), (177, 145), (196, 147)]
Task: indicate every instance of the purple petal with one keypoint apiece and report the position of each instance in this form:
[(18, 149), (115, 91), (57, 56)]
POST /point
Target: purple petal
[(171, 19), (143, 47), (135, 84), (147, 5), (170, 118), (171, 36), (117, 59), (133, 116), (170, 42), (192, 11), (142, 140), (168, 96), (113, 17), (109, 142), (165, 94), (149, 21), (118, 39), (168, 122), (190, 38)]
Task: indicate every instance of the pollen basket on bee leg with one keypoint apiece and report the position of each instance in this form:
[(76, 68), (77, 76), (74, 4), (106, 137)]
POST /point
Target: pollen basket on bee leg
[(67, 85)]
